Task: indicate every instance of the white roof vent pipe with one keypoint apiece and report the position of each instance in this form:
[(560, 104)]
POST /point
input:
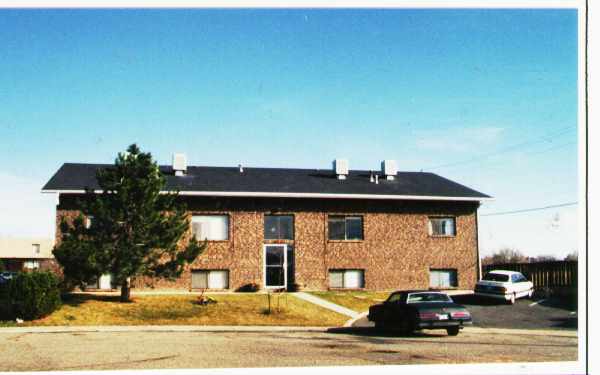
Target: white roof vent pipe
[(389, 169), (179, 164), (340, 166)]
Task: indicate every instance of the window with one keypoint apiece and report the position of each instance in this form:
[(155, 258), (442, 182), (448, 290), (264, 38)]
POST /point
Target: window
[(518, 278), (210, 279), (345, 228), (442, 226), (395, 298), (428, 297), (31, 264), (495, 277), (210, 227), (349, 279), (279, 227), (442, 278), (36, 248)]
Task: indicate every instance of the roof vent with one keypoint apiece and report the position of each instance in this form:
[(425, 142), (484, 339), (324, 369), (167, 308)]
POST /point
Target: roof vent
[(179, 164), (389, 169), (340, 166)]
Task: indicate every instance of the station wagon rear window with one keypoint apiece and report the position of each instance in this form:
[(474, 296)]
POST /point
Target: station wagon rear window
[(496, 277)]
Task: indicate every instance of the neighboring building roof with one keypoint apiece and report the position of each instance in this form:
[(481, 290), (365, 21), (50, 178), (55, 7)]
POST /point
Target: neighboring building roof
[(23, 248), (279, 182)]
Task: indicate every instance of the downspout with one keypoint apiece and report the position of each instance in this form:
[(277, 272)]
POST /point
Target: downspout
[(477, 242), (325, 251)]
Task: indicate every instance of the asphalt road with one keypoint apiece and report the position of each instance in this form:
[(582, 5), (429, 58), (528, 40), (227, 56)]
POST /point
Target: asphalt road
[(524, 314), (161, 350)]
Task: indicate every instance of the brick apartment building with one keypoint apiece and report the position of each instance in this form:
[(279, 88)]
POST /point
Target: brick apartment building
[(313, 229)]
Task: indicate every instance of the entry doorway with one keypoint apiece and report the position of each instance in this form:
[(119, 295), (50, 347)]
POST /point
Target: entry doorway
[(278, 266)]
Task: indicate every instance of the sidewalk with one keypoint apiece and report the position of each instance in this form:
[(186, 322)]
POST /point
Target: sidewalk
[(149, 328), (326, 304), (258, 329)]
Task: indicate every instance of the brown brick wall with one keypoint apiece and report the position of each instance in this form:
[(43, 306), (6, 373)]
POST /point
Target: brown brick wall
[(396, 253)]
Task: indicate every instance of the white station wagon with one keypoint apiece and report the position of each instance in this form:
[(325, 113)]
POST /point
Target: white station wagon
[(505, 285)]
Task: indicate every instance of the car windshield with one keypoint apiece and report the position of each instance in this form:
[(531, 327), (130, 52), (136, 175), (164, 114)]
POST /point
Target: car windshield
[(495, 277), (427, 297)]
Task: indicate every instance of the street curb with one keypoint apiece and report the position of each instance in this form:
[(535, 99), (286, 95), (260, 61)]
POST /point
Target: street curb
[(255, 329), (515, 331), (68, 329)]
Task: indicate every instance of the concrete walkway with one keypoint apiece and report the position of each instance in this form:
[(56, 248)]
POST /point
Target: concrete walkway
[(165, 328), (326, 304)]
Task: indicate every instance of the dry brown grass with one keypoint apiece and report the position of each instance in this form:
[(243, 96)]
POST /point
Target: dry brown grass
[(229, 309)]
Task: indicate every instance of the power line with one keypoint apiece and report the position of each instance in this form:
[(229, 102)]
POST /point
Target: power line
[(530, 209), (547, 138)]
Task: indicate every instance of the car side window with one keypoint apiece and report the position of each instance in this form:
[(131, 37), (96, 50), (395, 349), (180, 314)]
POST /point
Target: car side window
[(394, 298)]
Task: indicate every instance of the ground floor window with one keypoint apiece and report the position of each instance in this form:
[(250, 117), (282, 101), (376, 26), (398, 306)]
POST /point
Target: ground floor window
[(210, 279), (349, 279), (443, 278), (104, 282), (31, 264)]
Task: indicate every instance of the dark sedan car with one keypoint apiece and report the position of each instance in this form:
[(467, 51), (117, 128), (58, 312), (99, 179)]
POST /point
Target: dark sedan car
[(420, 309)]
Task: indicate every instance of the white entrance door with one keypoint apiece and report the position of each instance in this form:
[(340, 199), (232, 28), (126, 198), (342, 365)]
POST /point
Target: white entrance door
[(105, 282), (275, 262)]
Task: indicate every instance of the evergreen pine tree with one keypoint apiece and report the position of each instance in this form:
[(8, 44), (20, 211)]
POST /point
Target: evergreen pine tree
[(135, 229)]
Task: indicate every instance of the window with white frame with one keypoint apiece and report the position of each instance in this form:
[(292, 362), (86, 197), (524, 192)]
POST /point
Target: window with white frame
[(210, 227), (210, 279), (442, 226), (443, 278), (31, 264), (345, 227), (36, 248), (347, 279)]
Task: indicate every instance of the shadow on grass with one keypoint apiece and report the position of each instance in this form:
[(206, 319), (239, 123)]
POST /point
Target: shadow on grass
[(567, 303), (77, 299)]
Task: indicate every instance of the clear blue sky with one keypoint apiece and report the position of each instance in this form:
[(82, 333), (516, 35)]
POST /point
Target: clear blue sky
[(297, 88)]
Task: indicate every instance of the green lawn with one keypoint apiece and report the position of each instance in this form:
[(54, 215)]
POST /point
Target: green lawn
[(354, 300), (229, 309)]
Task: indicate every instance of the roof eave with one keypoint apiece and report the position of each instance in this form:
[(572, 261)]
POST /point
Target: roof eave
[(297, 195)]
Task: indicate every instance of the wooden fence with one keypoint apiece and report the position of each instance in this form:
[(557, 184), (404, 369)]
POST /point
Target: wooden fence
[(542, 274)]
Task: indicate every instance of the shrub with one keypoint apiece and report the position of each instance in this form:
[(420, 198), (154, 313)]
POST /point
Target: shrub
[(248, 288), (33, 295)]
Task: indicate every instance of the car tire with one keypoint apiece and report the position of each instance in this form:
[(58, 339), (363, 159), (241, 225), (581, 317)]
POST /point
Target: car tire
[(512, 299), (453, 331)]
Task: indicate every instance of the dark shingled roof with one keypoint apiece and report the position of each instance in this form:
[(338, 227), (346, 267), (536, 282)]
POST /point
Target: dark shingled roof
[(77, 176)]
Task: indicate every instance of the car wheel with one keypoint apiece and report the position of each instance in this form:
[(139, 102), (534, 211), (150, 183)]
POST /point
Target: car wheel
[(453, 331), (513, 298)]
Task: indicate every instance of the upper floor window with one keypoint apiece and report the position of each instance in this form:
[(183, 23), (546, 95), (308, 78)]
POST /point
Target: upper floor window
[(345, 228), (36, 248), (88, 222), (442, 226), (210, 227), (279, 227)]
